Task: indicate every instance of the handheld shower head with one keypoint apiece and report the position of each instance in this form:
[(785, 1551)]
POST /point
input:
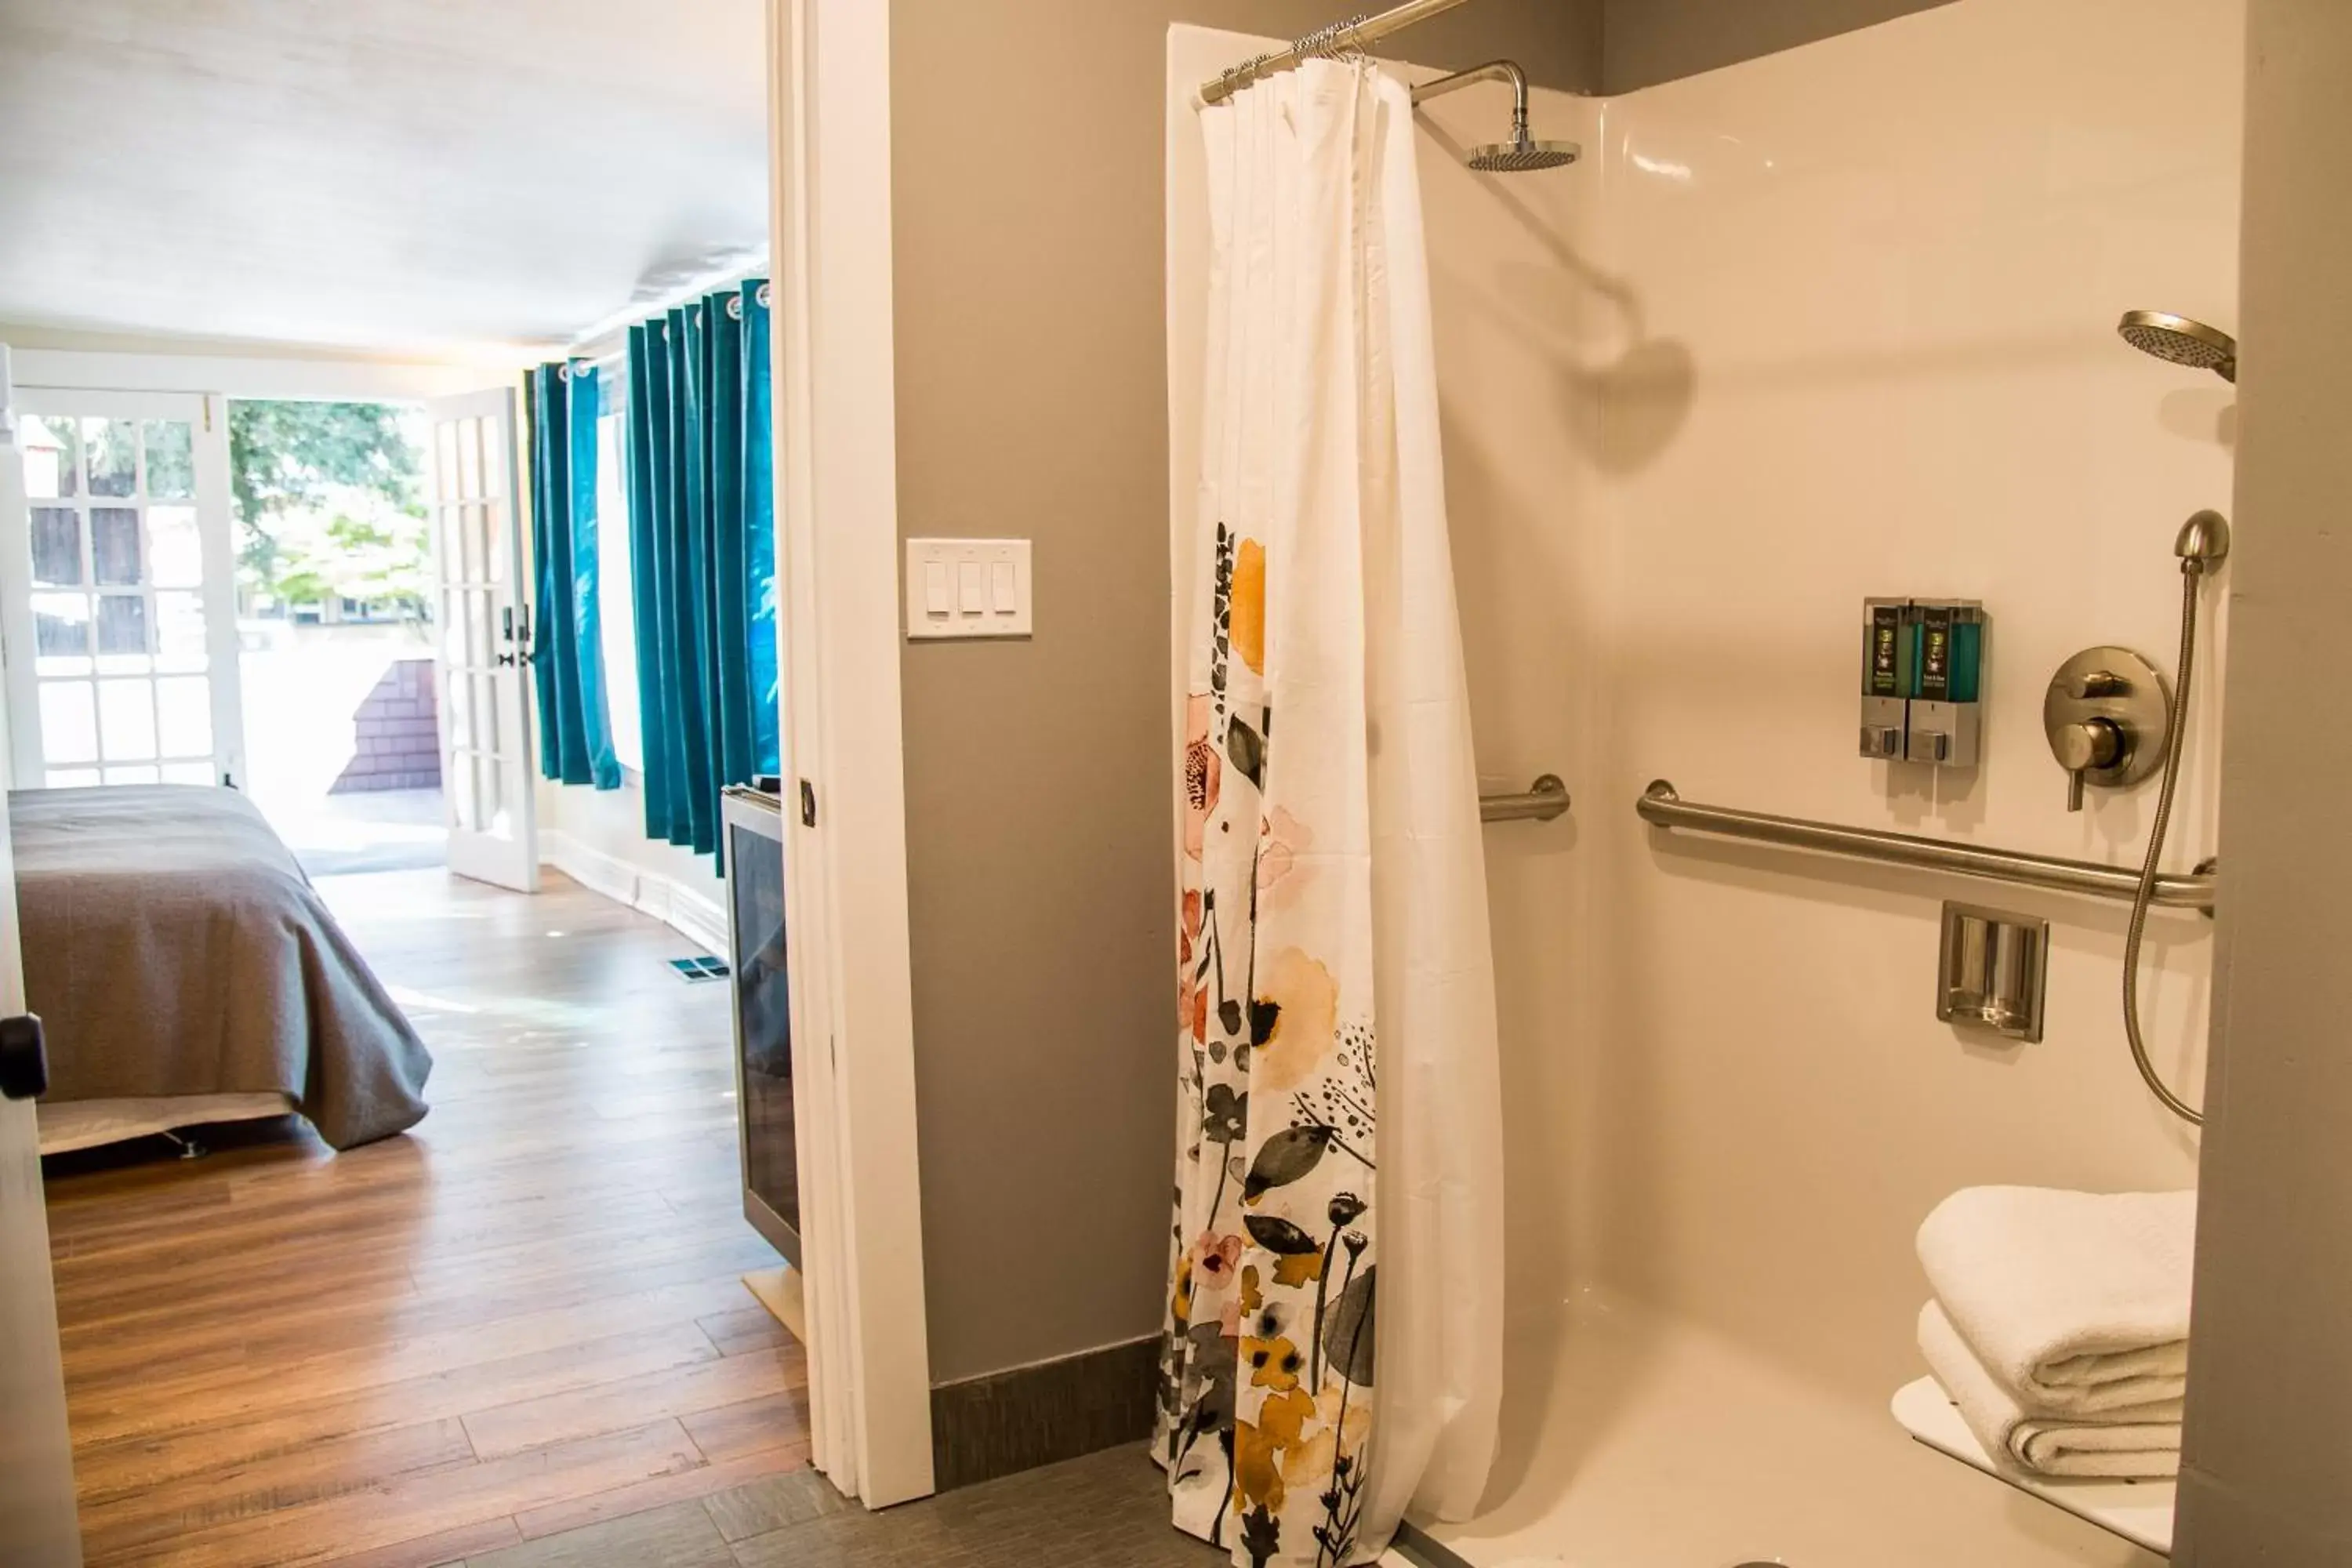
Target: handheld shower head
[(2181, 341), (2202, 543), (1522, 154)]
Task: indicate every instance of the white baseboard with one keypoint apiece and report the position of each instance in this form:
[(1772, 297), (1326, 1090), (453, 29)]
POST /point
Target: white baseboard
[(699, 916)]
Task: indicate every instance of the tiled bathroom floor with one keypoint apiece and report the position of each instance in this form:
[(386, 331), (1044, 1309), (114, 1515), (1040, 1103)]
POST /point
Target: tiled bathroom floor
[(1107, 1511)]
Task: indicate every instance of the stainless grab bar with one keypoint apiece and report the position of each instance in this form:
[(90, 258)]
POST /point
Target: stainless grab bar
[(1660, 806), (1543, 800)]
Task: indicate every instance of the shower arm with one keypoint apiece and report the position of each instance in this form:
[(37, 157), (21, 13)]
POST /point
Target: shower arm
[(1493, 70)]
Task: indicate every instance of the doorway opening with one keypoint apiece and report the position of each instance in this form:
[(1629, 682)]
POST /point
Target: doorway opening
[(335, 615)]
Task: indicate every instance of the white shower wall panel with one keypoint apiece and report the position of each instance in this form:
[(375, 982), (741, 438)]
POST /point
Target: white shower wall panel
[(1878, 279)]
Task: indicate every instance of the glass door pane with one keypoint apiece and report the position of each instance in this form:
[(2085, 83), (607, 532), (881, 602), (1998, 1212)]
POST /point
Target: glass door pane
[(175, 548), (56, 547), (113, 448), (170, 452), (52, 450)]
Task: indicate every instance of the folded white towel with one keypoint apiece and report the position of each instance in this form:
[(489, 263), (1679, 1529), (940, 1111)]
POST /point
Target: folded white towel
[(2076, 1303), (2141, 1443)]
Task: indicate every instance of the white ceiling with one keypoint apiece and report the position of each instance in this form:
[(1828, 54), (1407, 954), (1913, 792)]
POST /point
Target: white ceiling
[(411, 175)]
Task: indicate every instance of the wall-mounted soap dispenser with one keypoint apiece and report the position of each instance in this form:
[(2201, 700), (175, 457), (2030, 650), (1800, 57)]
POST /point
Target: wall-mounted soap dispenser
[(1885, 677), (1923, 680), (1947, 710)]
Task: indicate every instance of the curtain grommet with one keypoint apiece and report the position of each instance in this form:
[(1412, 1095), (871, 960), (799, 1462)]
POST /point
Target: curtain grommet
[(763, 296), (734, 306), (563, 371)]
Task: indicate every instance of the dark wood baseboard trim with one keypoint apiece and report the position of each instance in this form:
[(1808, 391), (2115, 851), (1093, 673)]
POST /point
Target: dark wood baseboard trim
[(1007, 1421)]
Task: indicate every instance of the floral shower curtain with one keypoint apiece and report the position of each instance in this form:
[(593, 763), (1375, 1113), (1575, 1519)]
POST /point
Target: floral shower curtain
[(1333, 1351)]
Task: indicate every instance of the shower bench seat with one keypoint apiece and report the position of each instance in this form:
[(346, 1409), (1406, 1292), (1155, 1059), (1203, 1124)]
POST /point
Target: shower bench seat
[(2139, 1511)]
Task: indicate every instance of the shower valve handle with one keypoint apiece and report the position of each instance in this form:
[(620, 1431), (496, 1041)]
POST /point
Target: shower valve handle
[(2100, 683), (2105, 714), (2083, 747)]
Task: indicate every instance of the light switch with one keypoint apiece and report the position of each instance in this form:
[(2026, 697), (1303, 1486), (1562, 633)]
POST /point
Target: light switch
[(967, 588)]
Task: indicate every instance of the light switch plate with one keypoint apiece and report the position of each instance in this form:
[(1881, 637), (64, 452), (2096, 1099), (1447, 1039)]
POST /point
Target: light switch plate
[(958, 588)]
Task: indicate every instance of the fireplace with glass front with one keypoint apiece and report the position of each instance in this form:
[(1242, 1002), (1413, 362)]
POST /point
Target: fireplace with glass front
[(754, 821)]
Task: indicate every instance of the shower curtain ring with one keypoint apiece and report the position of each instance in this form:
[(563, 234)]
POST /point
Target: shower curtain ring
[(1338, 40)]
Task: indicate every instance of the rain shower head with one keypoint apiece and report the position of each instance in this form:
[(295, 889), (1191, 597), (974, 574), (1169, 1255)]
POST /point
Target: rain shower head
[(2181, 341), (1522, 154)]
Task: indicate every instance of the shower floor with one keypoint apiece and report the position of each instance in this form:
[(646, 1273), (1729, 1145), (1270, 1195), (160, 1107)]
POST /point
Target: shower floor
[(1638, 1441)]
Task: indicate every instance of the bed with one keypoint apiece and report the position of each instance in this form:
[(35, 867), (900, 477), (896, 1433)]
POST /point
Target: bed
[(186, 972)]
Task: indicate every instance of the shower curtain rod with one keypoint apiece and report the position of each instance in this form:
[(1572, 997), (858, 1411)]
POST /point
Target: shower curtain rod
[(1324, 42)]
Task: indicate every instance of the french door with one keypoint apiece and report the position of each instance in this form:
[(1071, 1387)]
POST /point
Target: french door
[(482, 622), (118, 593)]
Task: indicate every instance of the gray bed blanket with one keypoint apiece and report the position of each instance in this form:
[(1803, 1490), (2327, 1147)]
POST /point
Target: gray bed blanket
[(173, 947)]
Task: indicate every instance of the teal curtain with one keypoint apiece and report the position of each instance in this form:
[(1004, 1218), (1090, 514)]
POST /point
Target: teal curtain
[(760, 526), (701, 510), (594, 713), (575, 731)]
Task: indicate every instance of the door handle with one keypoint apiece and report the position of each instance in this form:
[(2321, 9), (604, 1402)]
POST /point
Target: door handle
[(515, 656), (24, 1057)]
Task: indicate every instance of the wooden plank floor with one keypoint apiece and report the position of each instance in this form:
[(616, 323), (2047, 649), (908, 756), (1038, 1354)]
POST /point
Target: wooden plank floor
[(524, 1318)]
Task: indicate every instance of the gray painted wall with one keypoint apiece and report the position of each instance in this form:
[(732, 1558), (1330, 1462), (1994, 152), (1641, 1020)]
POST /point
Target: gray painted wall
[(1649, 41), (2267, 1467), (1027, 200)]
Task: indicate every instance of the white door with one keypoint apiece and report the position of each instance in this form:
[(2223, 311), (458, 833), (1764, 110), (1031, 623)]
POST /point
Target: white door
[(118, 591), (36, 1487), (482, 612)]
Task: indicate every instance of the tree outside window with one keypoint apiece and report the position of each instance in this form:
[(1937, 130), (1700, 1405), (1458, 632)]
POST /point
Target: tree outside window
[(330, 509)]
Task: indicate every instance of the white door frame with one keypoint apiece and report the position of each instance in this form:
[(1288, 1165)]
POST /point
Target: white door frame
[(38, 1518), (845, 885)]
